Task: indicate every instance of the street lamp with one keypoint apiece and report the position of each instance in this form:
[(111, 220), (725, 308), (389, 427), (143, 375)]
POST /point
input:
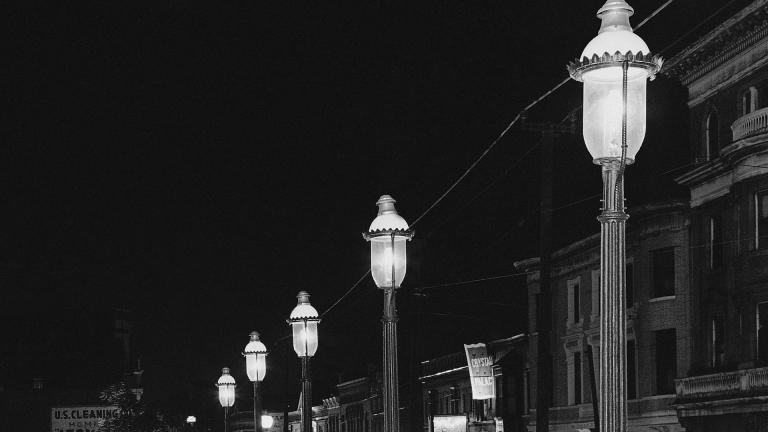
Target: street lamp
[(614, 68), (303, 321), (191, 420), (226, 385), (387, 235), (255, 354)]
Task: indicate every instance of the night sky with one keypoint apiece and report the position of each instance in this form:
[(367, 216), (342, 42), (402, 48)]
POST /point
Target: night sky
[(199, 163)]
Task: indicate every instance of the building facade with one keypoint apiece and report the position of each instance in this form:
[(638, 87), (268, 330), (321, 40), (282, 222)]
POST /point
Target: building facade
[(658, 328), (726, 74), (448, 403)]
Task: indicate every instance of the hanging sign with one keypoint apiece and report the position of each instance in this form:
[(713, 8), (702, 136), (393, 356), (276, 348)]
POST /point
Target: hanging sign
[(480, 371), (81, 418)]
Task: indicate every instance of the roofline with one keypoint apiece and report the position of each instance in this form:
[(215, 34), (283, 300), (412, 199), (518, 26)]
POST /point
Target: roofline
[(709, 37)]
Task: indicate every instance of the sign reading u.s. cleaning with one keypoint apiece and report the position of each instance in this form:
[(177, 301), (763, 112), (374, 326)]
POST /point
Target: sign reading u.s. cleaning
[(81, 418)]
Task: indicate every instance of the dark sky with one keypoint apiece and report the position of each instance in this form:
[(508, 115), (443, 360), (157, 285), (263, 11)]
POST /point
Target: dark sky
[(202, 162)]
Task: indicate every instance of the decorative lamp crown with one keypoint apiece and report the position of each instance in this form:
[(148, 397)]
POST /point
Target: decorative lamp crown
[(304, 310), (387, 220), (303, 321)]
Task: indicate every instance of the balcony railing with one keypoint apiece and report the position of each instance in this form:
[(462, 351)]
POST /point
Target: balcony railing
[(750, 124), (726, 385)]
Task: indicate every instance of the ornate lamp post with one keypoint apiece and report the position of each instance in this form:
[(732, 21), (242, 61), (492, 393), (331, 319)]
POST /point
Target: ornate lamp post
[(387, 235), (255, 354), (614, 68), (303, 321), (226, 385)]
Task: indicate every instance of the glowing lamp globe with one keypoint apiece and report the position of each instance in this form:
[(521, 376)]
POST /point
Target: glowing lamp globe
[(226, 385), (601, 69), (387, 235), (303, 321), (255, 358), (267, 421)]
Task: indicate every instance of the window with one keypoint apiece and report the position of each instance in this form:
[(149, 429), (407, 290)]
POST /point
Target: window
[(711, 128), (666, 361), (715, 241), (749, 101), (631, 370), (630, 284), (663, 268), (595, 280), (761, 220), (762, 334), (574, 301), (717, 351), (576, 378)]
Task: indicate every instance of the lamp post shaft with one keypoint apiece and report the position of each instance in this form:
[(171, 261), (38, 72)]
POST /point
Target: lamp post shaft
[(256, 407), (613, 219), (390, 388), (306, 396), (226, 419)]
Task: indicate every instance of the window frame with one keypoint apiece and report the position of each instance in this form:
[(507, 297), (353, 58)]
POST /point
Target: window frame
[(715, 241), (654, 268), (749, 105), (574, 301), (711, 137), (756, 201)]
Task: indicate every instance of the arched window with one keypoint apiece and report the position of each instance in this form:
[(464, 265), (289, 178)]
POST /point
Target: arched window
[(711, 129), (749, 101)]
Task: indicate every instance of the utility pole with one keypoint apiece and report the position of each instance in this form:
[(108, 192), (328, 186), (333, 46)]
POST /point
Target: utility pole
[(549, 133)]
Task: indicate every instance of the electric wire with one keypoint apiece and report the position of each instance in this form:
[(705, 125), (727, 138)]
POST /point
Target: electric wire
[(485, 153)]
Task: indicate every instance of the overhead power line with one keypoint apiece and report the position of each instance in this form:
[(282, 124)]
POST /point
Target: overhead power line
[(485, 153)]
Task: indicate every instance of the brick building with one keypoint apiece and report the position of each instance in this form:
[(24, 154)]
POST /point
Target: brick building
[(658, 329), (726, 74)]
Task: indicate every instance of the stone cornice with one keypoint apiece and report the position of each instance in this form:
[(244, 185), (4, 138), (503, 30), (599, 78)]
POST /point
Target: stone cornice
[(735, 35)]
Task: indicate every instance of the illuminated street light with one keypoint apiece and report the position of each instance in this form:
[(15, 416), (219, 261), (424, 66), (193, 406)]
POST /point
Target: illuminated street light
[(303, 321), (387, 235), (255, 354), (226, 385), (267, 421), (614, 68)]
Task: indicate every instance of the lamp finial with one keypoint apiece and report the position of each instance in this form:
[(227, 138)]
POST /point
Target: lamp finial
[(615, 16)]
